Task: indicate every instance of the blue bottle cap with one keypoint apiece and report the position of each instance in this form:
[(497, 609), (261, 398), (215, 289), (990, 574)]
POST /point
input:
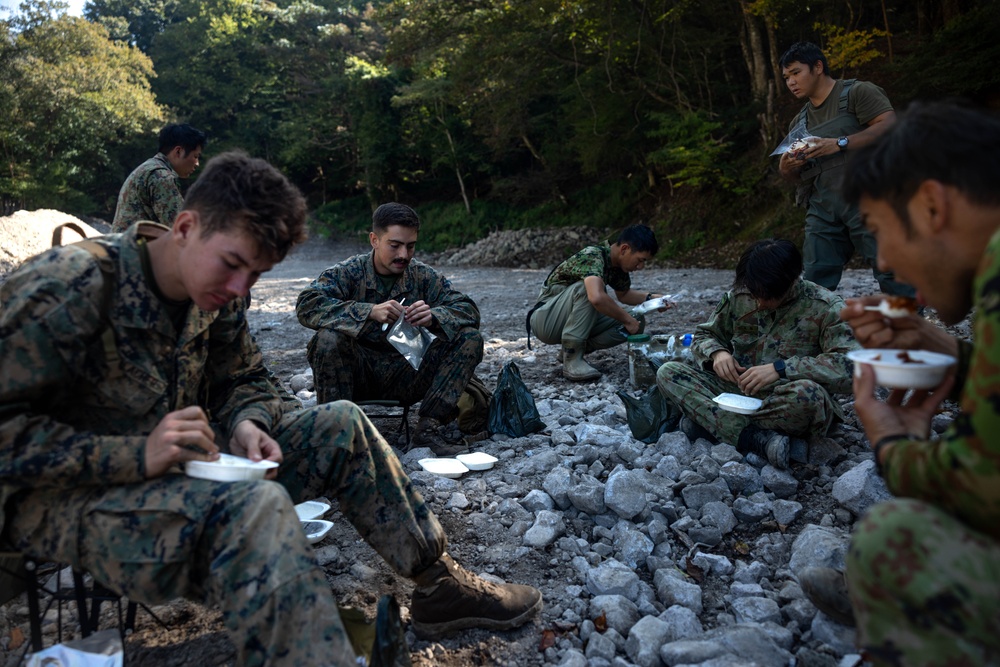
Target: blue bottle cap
[(688, 338)]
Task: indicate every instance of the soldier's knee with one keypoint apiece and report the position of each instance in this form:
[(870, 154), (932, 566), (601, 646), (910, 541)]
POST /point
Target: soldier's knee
[(901, 521), (327, 341)]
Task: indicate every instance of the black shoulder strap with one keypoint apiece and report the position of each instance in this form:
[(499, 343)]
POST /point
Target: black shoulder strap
[(845, 93)]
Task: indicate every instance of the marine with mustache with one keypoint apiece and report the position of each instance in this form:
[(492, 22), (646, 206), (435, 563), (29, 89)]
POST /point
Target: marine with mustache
[(350, 355)]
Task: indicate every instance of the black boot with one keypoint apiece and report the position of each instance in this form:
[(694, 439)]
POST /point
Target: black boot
[(770, 444)]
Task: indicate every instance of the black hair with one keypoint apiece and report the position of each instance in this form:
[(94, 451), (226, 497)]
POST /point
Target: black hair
[(183, 135), (236, 191), (768, 268), (806, 53), (943, 141), (390, 214), (640, 238)]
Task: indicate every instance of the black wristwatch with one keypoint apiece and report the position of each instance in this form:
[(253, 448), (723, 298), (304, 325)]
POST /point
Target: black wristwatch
[(842, 143), (779, 366)]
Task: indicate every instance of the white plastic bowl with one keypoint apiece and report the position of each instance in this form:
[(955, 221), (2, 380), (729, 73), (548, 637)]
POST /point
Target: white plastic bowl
[(744, 405), (904, 369), (316, 529), (452, 468), (477, 460), (311, 509), (229, 468)]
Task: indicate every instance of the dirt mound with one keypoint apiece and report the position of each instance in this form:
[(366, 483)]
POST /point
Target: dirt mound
[(27, 233), (521, 248)]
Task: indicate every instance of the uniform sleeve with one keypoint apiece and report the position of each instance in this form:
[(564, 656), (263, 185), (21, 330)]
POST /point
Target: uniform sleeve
[(960, 472), (714, 335), (830, 368), (49, 325), (165, 197), (867, 101), (452, 310), (330, 301), (240, 385)]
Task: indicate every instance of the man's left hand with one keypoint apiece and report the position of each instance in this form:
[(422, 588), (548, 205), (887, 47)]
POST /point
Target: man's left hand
[(894, 417), (250, 441), (419, 314), (756, 378)]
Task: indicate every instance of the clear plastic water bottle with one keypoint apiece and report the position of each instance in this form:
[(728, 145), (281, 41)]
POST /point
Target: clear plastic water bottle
[(685, 354)]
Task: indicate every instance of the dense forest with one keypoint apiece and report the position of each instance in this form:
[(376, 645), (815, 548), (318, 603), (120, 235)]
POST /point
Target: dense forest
[(484, 114)]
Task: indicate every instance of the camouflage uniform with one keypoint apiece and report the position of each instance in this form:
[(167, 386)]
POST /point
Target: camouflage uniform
[(834, 228), (351, 356), (924, 570), (805, 331), (565, 313), (73, 424), (151, 192)]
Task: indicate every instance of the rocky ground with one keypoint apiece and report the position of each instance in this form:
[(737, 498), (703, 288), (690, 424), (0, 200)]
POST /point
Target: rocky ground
[(673, 553)]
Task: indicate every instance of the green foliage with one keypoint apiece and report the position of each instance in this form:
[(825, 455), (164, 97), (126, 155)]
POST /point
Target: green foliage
[(693, 154), (849, 49)]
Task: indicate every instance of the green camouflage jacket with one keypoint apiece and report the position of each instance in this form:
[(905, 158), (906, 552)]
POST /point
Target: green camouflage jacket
[(343, 296), (806, 331), (960, 472), (74, 414), (591, 261), (151, 192)]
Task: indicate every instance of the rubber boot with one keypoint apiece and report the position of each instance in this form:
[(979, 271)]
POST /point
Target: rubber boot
[(449, 598), (827, 589), (574, 366), (770, 444)]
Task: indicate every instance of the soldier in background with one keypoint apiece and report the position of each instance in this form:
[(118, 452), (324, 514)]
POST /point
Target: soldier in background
[(923, 569), (775, 336), (353, 304), (94, 429), (152, 192)]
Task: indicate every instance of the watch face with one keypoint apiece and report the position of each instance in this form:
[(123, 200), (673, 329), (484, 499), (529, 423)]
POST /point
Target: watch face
[(842, 142)]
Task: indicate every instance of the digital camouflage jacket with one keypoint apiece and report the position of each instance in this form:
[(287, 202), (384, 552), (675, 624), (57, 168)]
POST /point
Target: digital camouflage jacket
[(805, 330), (151, 192), (74, 414), (960, 472), (591, 261), (343, 295)]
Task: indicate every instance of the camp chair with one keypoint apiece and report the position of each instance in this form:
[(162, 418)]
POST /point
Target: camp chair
[(404, 417)]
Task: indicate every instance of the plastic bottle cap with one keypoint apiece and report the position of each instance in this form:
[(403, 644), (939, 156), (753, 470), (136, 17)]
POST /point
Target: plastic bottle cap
[(688, 339), (638, 338)]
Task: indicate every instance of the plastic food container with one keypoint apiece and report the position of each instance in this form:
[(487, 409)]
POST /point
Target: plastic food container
[(744, 405), (452, 468), (904, 369), (229, 468), (477, 460), (316, 529), (311, 509)]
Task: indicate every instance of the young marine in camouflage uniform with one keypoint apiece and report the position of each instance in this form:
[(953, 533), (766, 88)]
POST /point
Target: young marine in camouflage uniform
[(773, 336), (924, 569), (574, 308), (151, 192), (109, 387), (845, 115), (352, 305)]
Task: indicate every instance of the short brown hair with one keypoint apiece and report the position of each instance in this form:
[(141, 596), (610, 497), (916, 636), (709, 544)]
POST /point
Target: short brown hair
[(239, 191)]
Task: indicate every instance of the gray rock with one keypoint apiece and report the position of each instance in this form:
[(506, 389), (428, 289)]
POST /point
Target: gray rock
[(673, 587), (619, 612), (573, 658), (668, 467), (741, 478), (630, 545), (548, 527), (625, 493), (748, 511), (718, 514), (817, 546), (537, 500), (825, 452), (613, 578), (597, 435), (838, 637), (683, 623), (695, 497), (756, 610), (557, 484), (709, 535), (780, 482), (860, 488), (301, 382), (644, 641), (742, 590), (587, 495), (724, 454), (750, 573), (714, 563), (600, 646), (751, 644), (786, 511)]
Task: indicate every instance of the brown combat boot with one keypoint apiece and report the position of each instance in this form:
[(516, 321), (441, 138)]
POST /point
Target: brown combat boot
[(442, 441), (449, 598), (827, 589)]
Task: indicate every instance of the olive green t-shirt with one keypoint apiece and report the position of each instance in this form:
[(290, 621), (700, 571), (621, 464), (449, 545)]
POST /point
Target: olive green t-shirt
[(865, 101)]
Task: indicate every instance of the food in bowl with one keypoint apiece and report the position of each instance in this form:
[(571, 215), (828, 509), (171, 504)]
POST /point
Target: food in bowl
[(229, 468), (904, 369)]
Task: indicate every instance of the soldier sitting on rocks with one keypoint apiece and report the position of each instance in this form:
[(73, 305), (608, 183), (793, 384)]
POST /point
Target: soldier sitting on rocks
[(352, 304), (574, 308), (923, 569), (124, 359), (776, 336)]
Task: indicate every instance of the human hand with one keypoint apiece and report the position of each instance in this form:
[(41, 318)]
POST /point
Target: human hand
[(632, 326), (386, 313), (756, 378), (895, 417), (419, 314), (181, 436), (725, 366), (872, 329), (818, 147), (250, 441)]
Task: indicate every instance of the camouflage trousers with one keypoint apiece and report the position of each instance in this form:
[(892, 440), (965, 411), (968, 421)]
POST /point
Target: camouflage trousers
[(925, 588), (240, 545), (800, 408), (343, 369), (567, 314)]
